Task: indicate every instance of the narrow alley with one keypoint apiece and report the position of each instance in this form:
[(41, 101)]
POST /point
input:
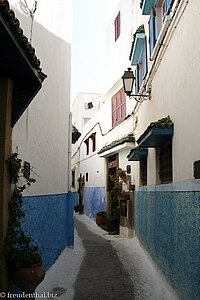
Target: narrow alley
[(103, 266), (101, 275)]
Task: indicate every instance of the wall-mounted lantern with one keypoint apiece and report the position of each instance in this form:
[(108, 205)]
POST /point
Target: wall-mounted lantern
[(128, 80)]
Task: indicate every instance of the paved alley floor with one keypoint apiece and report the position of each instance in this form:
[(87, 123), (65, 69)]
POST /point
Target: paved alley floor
[(102, 266), (101, 276)]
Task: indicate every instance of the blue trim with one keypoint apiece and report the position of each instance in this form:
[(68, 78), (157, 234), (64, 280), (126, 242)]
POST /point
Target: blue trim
[(49, 221), (156, 137), (137, 50), (152, 37), (147, 6), (138, 155)]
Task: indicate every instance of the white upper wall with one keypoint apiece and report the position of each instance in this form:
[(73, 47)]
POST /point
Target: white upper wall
[(56, 17), (80, 112), (175, 91), (117, 52), (42, 135)]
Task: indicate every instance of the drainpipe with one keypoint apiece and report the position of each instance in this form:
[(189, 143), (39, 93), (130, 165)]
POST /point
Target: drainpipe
[(69, 151)]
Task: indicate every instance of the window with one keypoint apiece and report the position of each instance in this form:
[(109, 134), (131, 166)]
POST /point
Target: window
[(93, 138), (143, 172), (165, 168), (73, 178), (117, 26), (118, 107), (86, 177), (141, 68), (157, 20), (87, 146)]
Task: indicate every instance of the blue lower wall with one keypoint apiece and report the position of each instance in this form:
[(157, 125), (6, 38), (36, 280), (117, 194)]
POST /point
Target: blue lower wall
[(94, 200), (49, 221), (167, 222), (76, 198)]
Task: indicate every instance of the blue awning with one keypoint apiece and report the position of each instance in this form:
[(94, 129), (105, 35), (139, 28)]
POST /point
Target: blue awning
[(137, 155), (156, 137), (137, 49), (147, 6)]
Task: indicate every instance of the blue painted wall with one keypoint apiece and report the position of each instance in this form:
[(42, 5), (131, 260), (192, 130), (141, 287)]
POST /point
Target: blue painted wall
[(94, 200), (49, 221), (167, 222), (76, 198)]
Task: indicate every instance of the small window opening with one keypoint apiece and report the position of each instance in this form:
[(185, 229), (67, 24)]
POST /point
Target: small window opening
[(166, 163), (73, 178), (117, 26), (143, 172), (86, 177), (87, 146)]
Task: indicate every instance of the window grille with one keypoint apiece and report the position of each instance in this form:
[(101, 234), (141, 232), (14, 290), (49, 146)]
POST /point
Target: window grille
[(166, 163), (143, 172)]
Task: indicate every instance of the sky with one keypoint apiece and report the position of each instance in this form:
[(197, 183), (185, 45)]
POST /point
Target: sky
[(90, 22)]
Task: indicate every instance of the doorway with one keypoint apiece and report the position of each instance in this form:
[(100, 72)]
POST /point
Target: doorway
[(112, 167)]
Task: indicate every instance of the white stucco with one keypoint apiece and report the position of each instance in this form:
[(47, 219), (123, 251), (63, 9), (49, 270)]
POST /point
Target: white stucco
[(175, 92), (114, 67), (41, 136)]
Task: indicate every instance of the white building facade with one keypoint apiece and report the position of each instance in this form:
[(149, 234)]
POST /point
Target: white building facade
[(108, 135), (42, 136)]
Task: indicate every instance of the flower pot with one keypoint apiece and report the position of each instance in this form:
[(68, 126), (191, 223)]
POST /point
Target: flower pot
[(123, 197), (132, 187), (100, 219), (27, 278)]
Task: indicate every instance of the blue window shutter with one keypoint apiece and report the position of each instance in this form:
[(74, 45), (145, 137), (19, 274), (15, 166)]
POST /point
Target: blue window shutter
[(137, 80), (144, 59), (152, 33), (168, 5)]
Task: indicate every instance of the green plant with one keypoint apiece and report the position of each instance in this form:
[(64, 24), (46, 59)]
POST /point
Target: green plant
[(114, 219), (19, 249), (122, 175), (102, 213)]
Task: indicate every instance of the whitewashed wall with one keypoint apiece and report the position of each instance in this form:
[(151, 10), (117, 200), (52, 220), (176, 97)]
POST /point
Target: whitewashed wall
[(42, 135), (117, 53), (175, 92)]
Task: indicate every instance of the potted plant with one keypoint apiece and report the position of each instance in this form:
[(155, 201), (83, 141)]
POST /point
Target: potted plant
[(113, 220), (101, 218), (21, 252), (122, 175)]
